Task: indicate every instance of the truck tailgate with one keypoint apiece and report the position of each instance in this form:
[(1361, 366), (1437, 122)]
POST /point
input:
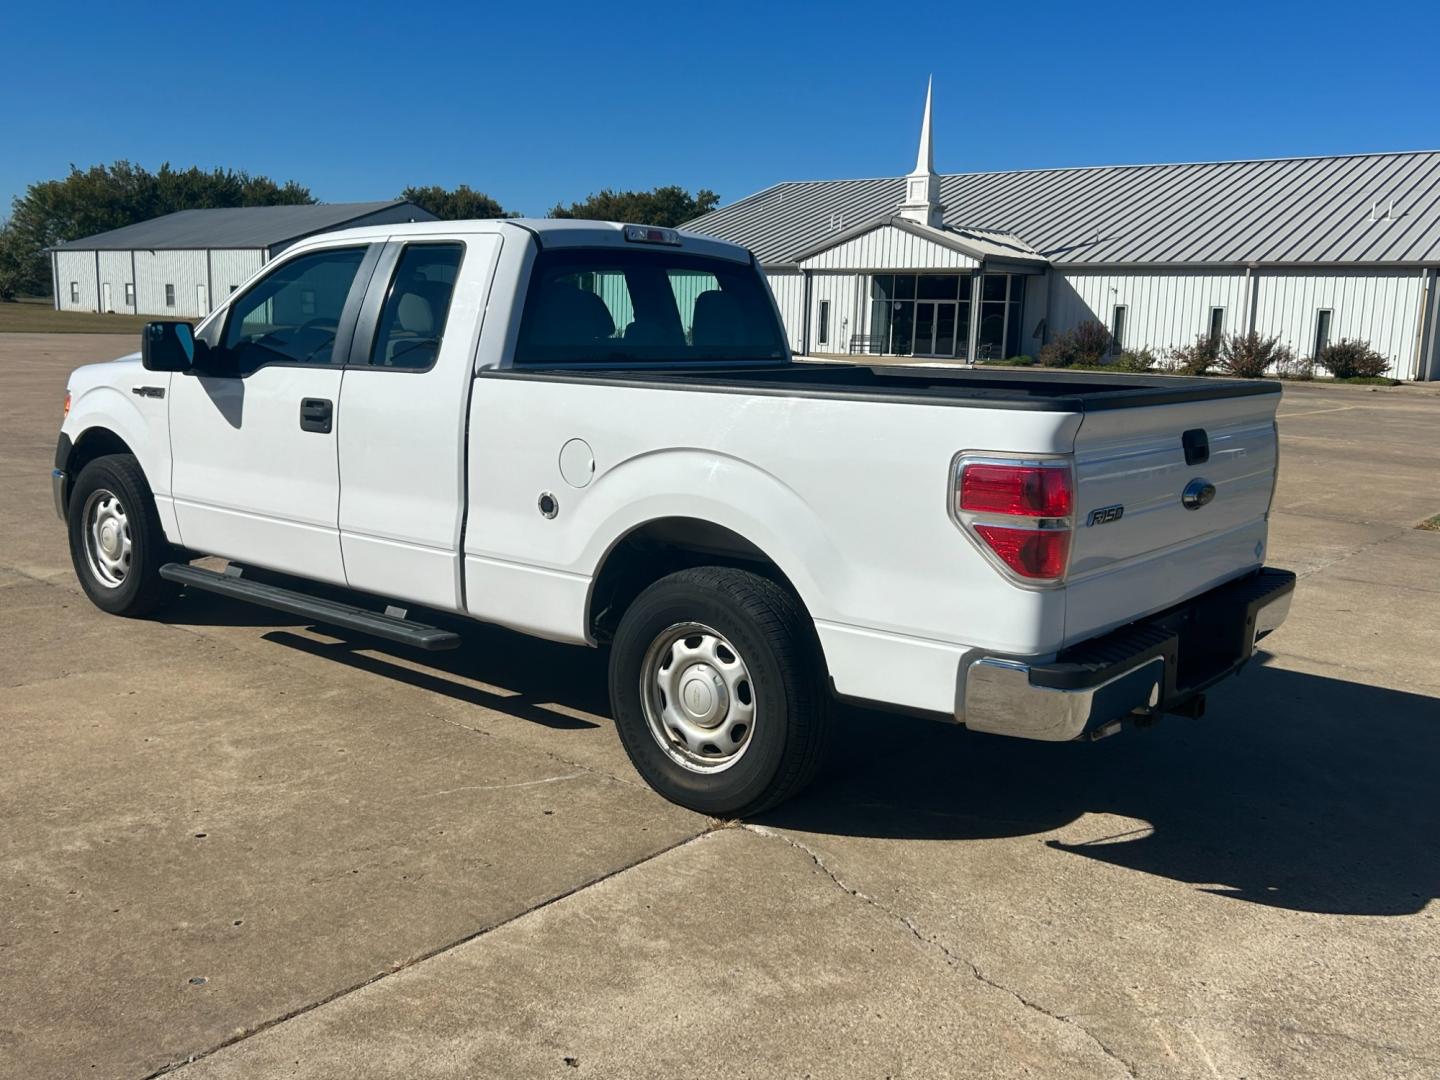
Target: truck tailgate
[(1158, 551)]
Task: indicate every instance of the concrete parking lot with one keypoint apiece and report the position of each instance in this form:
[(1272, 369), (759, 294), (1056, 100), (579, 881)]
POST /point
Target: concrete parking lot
[(235, 845)]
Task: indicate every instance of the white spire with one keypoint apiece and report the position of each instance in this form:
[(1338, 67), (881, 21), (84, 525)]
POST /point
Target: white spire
[(925, 159), (922, 187)]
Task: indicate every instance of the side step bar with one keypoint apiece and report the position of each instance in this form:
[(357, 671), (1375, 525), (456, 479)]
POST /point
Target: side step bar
[(390, 627)]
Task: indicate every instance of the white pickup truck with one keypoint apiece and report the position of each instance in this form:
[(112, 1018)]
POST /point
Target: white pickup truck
[(595, 433)]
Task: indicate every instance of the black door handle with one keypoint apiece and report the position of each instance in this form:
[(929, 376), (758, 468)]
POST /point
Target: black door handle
[(316, 414)]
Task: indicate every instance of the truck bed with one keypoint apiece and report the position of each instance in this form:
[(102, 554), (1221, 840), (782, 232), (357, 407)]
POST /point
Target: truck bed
[(1007, 388)]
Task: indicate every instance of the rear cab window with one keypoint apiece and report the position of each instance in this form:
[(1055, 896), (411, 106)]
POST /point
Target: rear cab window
[(611, 307), (417, 304)]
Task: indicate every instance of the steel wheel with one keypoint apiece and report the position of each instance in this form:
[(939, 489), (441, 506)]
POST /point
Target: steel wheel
[(108, 547), (698, 697)]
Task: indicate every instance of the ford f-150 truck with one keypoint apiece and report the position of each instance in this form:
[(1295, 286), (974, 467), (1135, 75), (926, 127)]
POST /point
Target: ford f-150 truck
[(595, 433)]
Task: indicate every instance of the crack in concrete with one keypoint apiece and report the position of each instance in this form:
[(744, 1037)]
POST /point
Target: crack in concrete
[(506, 787), (420, 958), (932, 942), (1341, 556)]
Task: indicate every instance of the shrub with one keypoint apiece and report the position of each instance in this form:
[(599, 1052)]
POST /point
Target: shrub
[(1196, 358), (1249, 356), (1141, 360), (1057, 353), (1300, 368), (1346, 359), (1092, 342), (1088, 343)]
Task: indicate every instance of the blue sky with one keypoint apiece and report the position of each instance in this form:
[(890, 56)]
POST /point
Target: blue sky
[(536, 103)]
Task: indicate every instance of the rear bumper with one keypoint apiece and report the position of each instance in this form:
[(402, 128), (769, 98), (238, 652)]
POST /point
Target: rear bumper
[(1161, 664)]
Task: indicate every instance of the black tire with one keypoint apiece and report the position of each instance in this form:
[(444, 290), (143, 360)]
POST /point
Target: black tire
[(141, 590), (776, 641)]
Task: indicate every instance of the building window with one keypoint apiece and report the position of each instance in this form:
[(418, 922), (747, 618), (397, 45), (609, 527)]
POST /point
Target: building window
[(1117, 326), (1322, 330), (998, 336), (130, 293), (1217, 323), (169, 295), (823, 336), (74, 292)]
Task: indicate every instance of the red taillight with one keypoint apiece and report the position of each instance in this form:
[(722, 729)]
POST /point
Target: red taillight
[(1024, 490), (1039, 554), (1020, 513)]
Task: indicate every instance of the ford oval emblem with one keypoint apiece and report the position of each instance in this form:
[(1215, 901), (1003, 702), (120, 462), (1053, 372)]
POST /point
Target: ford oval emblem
[(1197, 493)]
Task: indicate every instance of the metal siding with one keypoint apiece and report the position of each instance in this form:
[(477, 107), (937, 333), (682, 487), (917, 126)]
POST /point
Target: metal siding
[(845, 317), (889, 248), (183, 269), (229, 269), (1166, 308), (1380, 307), (788, 288), (115, 270), (77, 266)]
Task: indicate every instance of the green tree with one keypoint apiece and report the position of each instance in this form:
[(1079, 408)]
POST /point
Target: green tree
[(462, 204), (669, 206), (105, 197), (15, 273)]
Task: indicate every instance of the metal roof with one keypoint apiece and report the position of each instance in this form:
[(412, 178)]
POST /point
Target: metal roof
[(1287, 210), (233, 227)]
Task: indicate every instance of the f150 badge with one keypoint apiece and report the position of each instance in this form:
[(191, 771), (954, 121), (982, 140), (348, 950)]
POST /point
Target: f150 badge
[(1104, 515)]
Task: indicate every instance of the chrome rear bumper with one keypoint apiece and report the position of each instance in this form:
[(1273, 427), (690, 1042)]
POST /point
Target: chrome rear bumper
[(1161, 664)]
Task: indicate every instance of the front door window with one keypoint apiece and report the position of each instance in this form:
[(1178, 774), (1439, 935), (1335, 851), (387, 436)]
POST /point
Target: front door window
[(293, 315)]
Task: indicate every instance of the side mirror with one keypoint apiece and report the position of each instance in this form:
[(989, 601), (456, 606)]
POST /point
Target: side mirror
[(167, 346)]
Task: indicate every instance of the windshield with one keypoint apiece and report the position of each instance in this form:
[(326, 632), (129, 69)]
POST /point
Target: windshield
[(609, 306)]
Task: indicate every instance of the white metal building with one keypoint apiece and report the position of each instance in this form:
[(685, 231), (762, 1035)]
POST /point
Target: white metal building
[(183, 263), (992, 265)]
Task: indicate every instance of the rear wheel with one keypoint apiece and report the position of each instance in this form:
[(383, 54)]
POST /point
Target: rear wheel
[(718, 691), (116, 542)]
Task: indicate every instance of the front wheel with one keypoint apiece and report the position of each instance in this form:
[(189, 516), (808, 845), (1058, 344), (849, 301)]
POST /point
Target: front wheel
[(718, 691), (116, 542)]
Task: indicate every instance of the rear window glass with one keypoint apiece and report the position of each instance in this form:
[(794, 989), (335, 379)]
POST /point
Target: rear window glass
[(608, 306)]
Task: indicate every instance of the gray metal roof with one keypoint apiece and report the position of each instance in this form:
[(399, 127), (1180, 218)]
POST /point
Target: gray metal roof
[(1287, 210), (232, 227)]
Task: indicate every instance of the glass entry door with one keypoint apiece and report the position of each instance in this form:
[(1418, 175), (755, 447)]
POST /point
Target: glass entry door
[(935, 323)]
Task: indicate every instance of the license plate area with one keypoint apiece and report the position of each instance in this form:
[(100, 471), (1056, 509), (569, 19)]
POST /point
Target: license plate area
[(1201, 640)]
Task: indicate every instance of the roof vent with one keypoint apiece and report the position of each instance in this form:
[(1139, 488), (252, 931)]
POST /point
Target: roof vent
[(1387, 215), (837, 221)]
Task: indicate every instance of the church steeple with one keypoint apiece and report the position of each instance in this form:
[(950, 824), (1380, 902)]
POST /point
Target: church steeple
[(922, 187)]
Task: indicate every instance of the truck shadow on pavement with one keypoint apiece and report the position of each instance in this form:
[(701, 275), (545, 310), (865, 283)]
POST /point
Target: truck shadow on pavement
[(1297, 791)]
